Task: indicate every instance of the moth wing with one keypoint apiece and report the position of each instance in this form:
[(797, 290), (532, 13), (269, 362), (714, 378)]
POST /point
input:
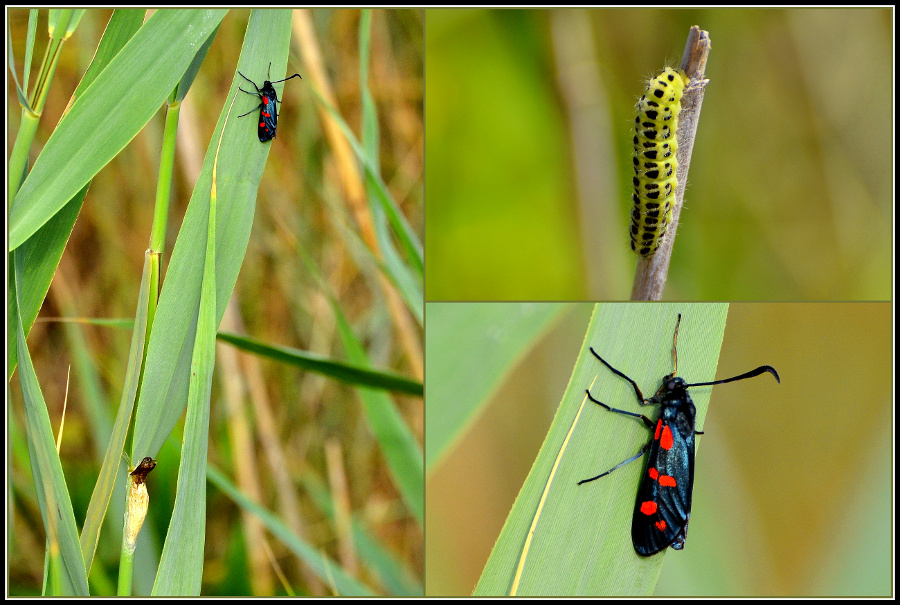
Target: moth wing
[(663, 505)]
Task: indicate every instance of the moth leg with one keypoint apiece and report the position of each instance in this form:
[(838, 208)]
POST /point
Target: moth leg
[(251, 111), (646, 420), (637, 390), (623, 463), (251, 81)]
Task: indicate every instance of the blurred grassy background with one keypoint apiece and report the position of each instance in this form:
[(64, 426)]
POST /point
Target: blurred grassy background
[(792, 494), (529, 114), (318, 425)]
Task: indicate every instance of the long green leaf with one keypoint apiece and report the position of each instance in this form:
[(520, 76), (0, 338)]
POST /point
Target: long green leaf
[(109, 114), (103, 488), (181, 565), (49, 481), (241, 161), (40, 254), (401, 451), (339, 370), (45, 247), (123, 25), (408, 281)]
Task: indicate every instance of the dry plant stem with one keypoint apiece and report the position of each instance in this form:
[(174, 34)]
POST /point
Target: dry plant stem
[(651, 272), (583, 90), (346, 163), (337, 481), (354, 190)]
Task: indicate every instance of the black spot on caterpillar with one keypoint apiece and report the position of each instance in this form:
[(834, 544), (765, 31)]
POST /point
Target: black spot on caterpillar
[(654, 159)]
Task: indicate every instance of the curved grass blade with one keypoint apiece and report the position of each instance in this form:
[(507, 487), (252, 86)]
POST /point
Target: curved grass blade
[(50, 483), (401, 450), (109, 114), (103, 488), (164, 390), (399, 446), (345, 372), (407, 281), (41, 254), (393, 262)]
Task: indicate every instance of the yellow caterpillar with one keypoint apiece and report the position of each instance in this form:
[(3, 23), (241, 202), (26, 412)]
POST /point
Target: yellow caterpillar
[(654, 159)]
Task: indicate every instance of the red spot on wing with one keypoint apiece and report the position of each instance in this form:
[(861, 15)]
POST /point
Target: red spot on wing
[(648, 508), (661, 525), (666, 440), (664, 480), (658, 428)]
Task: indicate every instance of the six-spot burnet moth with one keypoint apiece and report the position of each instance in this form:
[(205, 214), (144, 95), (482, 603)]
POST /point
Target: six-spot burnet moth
[(268, 109), (663, 507)]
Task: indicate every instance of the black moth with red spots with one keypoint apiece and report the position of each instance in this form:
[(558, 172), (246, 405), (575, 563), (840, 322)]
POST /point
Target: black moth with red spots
[(268, 110), (663, 507)]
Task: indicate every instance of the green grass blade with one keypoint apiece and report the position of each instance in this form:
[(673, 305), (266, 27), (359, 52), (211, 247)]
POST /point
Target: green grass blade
[(369, 110), (405, 234), (109, 114), (400, 448), (339, 370), (240, 165), (41, 254), (401, 451), (122, 26), (106, 480), (181, 566), (408, 282), (49, 482), (45, 247), (11, 62), (460, 384), (29, 48), (582, 539)]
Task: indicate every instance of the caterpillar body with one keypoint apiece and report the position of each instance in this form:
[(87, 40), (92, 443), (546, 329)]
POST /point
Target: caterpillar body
[(655, 164)]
